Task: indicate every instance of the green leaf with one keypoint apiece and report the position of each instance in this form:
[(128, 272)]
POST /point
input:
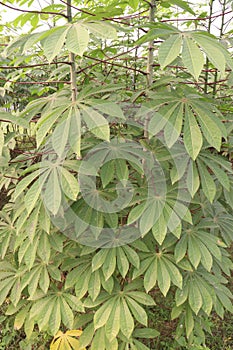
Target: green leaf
[(60, 137), (192, 57), (112, 325), (182, 4), (150, 277), (9, 118), (102, 314), (44, 281), (150, 216), (77, 39), (52, 193), (173, 128), (164, 279), (207, 182), (193, 181), (55, 318), (141, 298), (107, 172), (135, 213), (134, 4), (194, 253), (66, 314), (206, 297), (132, 256), (96, 123), (32, 196), (169, 50), (23, 184), (160, 229), (137, 311), (122, 171), (109, 264), (122, 262), (192, 135), (75, 131), (206, 257), (1, 141), (54, 43), (146, 333), (189, 322), (210, 127), (99, 259), (44, 126), (212, 50), (174, 273), (195, 298), (94, 285), (101, 29), (126, 319), (69, 184)]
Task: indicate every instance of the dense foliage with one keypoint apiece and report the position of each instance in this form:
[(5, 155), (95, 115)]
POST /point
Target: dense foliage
[(116, 142)]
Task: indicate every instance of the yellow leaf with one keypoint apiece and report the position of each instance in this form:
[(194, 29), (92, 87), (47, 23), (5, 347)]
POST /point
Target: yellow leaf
[(66, 341)]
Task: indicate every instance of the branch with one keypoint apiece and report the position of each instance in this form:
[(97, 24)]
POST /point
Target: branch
[(36, 12), (35, 82), (196, 19), (78, 9), (114, 64), (33, 65)]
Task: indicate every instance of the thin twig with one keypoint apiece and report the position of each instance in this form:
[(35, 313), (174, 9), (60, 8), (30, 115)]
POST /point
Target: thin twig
[(30, 11)]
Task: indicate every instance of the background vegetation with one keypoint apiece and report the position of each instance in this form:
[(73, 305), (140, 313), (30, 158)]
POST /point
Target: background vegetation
[(125, 103)]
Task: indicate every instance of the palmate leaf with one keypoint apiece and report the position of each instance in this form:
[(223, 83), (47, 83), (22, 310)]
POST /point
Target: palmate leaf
[(56, 307), (11, 282), (199, 116), (125, 306), (212, 49), (192, 55), (67, 341), (159, 268)]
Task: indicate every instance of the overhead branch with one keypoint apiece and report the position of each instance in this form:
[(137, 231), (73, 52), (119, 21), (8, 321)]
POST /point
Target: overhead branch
[(32, 11)]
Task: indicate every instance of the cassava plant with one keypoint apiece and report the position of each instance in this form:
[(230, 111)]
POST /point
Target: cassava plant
[(116, 175)]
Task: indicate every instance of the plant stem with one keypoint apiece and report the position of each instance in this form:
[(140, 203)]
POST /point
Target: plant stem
[(73, 77), (150, 57), (220, 36), (207, 60), (150, 61)]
